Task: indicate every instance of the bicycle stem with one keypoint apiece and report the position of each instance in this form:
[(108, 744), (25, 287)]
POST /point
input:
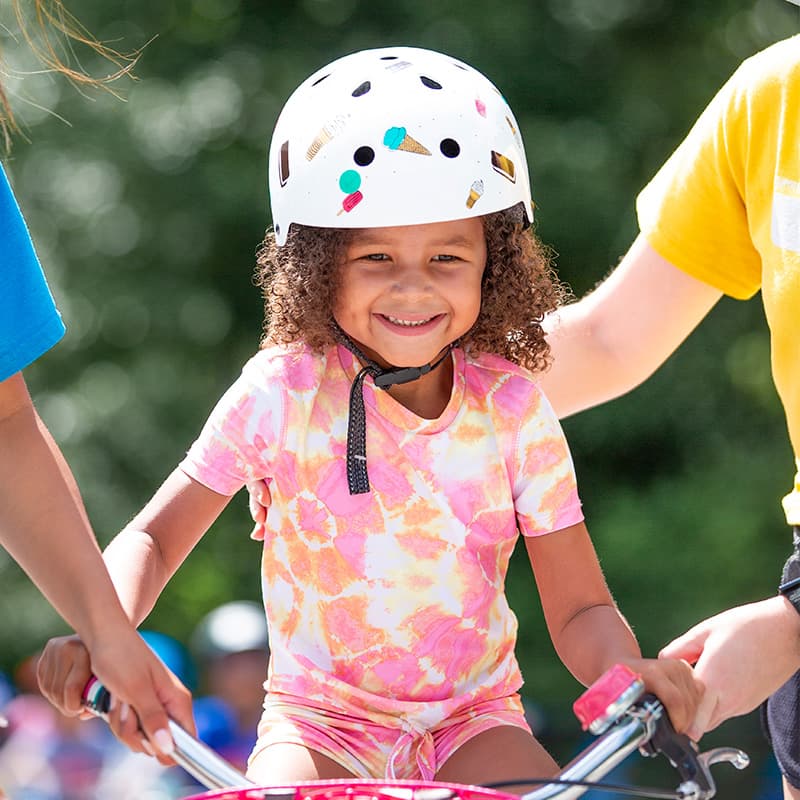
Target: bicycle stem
[(202, 763)]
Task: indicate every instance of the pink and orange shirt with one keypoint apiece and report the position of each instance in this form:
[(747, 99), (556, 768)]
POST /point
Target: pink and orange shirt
[(393, 598)]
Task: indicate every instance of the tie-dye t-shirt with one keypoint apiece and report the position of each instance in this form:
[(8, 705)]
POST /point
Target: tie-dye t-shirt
[(394, 598)]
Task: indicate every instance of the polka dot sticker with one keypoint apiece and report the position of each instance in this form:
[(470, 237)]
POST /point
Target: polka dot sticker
[(449, 148), (349, 181), (364, 156)]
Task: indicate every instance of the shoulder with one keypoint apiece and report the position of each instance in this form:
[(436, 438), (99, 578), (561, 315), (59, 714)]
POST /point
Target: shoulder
[(778, 60), (770, 76), (494, 376), (295, 365)]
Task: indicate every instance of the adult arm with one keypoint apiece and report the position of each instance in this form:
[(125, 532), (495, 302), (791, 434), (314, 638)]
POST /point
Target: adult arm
[(615, 337), (44, 527), (587, 629), (140, 560), (742, 656)]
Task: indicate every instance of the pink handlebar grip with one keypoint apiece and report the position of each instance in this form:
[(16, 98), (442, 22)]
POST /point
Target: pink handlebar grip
[(608, 697)]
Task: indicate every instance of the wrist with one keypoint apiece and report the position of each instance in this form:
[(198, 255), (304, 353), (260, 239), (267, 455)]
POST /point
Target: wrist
[(790, 590), (104, 625)]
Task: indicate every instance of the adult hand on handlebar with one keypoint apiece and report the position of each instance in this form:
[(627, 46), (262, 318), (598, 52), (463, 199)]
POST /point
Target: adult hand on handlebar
[(742, 655), (146, 693), (675, 684), (259, 500)]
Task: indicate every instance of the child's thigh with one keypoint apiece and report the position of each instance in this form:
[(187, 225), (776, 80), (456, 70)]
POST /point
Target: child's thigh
[(283, 764), (505, 753)]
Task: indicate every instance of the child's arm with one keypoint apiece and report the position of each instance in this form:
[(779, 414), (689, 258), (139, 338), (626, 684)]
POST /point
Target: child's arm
[(151, 547), (588, 631)]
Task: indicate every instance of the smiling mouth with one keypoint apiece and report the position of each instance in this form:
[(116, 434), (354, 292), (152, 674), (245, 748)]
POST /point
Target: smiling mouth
[(409, 323)]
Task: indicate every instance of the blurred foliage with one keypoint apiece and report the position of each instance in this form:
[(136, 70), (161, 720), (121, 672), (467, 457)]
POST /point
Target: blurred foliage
[(146, 211)]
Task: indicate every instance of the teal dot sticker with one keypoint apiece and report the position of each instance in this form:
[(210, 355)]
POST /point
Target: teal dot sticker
[(349, 181)]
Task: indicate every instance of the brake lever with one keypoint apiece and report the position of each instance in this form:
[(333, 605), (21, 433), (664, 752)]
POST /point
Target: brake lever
[(693, 767)]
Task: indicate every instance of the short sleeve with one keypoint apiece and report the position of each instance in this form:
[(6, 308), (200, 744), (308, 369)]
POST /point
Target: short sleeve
[(544, 484), (693, 212), (241, 437), (29, 321)]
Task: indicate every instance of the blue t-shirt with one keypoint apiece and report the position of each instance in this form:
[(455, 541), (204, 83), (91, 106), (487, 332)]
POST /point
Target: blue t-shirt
[(29, 321)]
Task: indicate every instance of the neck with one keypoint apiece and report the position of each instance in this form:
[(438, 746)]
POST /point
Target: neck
[(428, 396)]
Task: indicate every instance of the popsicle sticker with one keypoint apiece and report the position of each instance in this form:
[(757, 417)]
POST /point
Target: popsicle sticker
[(504, 165), (350, 202), (475, 191), (397, 138)]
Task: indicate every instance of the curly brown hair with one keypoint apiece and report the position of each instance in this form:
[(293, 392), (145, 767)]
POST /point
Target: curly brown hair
[(299, 282)]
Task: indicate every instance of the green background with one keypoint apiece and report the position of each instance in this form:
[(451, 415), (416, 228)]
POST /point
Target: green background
[(146, 210)]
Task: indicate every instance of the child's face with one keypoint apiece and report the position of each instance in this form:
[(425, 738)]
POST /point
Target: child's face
[(407, 292)]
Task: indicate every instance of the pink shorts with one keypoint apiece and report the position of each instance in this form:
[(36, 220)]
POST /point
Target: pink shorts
[(383, 746)]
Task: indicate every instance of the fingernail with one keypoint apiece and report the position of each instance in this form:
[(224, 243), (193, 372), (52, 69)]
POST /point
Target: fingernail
[(123, 712), (148, 748), (163, 742), (112, 703)]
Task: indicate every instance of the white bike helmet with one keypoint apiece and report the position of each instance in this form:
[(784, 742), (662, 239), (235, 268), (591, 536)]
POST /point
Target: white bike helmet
[(395, 136)]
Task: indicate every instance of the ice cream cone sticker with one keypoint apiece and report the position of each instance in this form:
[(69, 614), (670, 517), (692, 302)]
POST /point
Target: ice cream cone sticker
[(397, 139), (475, 191), (320, 140), (325, 134)]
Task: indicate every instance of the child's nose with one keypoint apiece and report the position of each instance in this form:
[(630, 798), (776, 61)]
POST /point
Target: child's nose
[(413, 280)]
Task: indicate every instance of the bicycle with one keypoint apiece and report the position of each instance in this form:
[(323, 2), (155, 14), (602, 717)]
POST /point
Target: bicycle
[(615, 708)]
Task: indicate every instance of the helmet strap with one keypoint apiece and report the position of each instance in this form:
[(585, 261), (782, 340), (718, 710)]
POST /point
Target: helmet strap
[(357, 477)]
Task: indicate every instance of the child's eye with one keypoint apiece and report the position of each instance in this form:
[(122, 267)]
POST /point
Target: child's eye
[(445, 259), (374, 257)]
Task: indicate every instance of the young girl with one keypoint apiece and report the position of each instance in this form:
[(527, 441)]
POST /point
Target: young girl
[(395, 412)]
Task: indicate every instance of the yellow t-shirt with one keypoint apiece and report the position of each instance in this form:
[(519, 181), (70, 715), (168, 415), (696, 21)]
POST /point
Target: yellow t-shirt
[(725, 208)]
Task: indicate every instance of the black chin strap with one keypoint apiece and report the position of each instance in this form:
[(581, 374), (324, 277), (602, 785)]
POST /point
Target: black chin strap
[(357, 477)]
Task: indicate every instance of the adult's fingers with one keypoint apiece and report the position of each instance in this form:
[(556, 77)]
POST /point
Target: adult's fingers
[(703, 716), (167, 699), (688, 647)]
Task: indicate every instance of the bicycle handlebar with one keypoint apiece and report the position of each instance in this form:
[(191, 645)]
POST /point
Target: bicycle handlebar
[(625, 718), (199, 760)]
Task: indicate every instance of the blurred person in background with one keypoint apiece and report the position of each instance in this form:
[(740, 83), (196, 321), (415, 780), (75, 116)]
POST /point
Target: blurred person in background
[(45, 755), (43, 523), (231, 646)]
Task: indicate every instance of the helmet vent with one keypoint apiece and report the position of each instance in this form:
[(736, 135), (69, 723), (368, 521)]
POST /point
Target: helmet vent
[(430, 82), (362, 89), (318, 81)]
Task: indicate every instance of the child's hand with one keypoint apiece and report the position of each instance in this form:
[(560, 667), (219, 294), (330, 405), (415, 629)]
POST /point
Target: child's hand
[(65, 668), (259, 500), (674, 683)]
